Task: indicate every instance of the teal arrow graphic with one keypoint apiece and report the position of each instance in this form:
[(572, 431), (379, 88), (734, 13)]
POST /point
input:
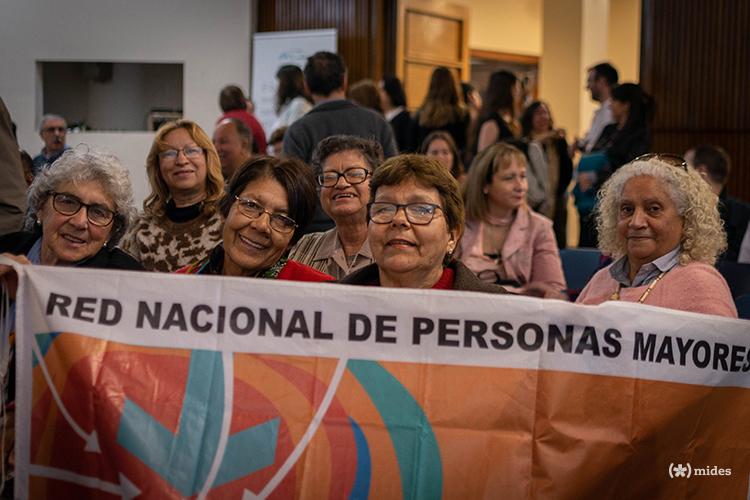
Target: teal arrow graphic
[(184, 459)]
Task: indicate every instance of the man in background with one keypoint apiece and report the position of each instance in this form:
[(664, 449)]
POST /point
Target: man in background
[(52, 131), (602, 78), (233, 142)]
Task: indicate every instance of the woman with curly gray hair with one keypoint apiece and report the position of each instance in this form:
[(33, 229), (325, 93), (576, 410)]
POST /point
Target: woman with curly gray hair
[(79, 208), (659, 220)]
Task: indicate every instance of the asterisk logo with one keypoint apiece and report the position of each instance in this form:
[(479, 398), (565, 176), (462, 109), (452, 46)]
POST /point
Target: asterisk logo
[(679, 470)]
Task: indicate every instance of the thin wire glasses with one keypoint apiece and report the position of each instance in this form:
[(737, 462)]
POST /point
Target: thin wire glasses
[(254, 210), (416, 213), (67, 204), (192, 152)]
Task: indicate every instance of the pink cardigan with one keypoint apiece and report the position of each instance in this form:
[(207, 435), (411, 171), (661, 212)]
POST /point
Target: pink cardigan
[(529, 253), (695, 287)]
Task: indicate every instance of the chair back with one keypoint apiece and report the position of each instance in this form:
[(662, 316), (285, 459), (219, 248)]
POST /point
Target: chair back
[(579, 265)]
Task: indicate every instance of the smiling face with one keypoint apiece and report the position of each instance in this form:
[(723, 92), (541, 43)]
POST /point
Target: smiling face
[(67, 239), (440, 150), (251, 245), (409, 254), (232, 149), (183, 176), (509, 186), (649, 223), (344, 199)]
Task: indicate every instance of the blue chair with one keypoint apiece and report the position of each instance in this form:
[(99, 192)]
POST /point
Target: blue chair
[(743, 306), (579, 265)]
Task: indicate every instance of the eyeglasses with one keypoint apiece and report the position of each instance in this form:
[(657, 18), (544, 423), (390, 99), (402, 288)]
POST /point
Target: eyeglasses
[(67, 204), (354, 175), (253, 210), (671, 159), (416, 213), (192, 152), (53, 129)]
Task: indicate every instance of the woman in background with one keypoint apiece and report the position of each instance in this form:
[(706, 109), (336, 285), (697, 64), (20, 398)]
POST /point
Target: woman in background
[(505, 242), (440, 145), (292, 102), (393, 104), (180, 221), (366, 94), (442, 109), (502, 104)]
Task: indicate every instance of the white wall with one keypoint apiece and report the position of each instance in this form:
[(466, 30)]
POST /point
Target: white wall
[(211, 39)]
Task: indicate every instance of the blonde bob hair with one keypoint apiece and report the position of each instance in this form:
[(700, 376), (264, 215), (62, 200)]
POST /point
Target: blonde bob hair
[(156, 202), (703, 236), (483, 169)]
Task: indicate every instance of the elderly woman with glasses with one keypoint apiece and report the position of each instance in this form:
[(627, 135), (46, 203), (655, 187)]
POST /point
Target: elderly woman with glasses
[(344, 165), (268, 203), (416, 221), (78, 211), (181, 222), (659, 220)]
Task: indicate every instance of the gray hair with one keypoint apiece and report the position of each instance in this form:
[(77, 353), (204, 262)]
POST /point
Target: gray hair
[(49, 117), (82, 164), (703, 236)]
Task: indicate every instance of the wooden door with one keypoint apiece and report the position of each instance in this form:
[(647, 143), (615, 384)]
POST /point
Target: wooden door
[(430, 34)]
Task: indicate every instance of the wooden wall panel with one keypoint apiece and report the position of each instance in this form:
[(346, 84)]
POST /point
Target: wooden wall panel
[(695, 61), (365, 29)]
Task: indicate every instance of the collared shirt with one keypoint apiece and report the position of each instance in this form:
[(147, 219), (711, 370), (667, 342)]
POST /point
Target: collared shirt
[(648, 272), (390, 115), (602, 118), (42, 160), (324, 252)]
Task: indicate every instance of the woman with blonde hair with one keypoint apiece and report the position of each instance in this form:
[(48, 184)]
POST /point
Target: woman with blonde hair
[(442, 109), (181, 222), (659, 220), (506, 242)]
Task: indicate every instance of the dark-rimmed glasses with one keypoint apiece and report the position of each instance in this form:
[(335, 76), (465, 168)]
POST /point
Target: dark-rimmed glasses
[(416, 213), (669, 158), (354, 175), (254, 210), (192, 152), (67, 204)]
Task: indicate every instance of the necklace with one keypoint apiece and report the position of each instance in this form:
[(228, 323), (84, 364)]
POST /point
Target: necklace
[(616, 294), (499, 221)]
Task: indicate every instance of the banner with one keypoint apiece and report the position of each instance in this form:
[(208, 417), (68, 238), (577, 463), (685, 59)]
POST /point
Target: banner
[(175, 386)]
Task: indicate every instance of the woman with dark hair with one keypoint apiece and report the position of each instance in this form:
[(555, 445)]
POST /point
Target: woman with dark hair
[(626, 139), (442, 109), (440, 146), (365, 93), (292, 102), (233, 104), (180, 220), (536, 123), (344, 165), (268, 203), (498, 120), (393, 103)]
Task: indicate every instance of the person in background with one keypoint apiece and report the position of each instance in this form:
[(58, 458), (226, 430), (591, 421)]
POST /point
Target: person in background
[(442, 109), (366, 94), (233, 143), (660, 222), (393, 103), (600, 81), (344, 165), (416, 220), (180, 222), (233, 104), (537, 126), (473, 102), (505, 242), (714, 166), (292, 101), (276, 142), (12, 185), (440, 145), (268, 203), (499, 118), (52, 130)]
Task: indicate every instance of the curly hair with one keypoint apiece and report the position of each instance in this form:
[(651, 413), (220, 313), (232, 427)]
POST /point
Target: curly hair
[(82, 164), (370, 150), (156, 202), (703, 236)]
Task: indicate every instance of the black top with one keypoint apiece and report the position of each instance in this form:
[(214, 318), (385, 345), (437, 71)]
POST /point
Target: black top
[(504, 131), (621, 146), (107, 258), (456, 128), (402, 131), (735, 214), (179, 215)]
